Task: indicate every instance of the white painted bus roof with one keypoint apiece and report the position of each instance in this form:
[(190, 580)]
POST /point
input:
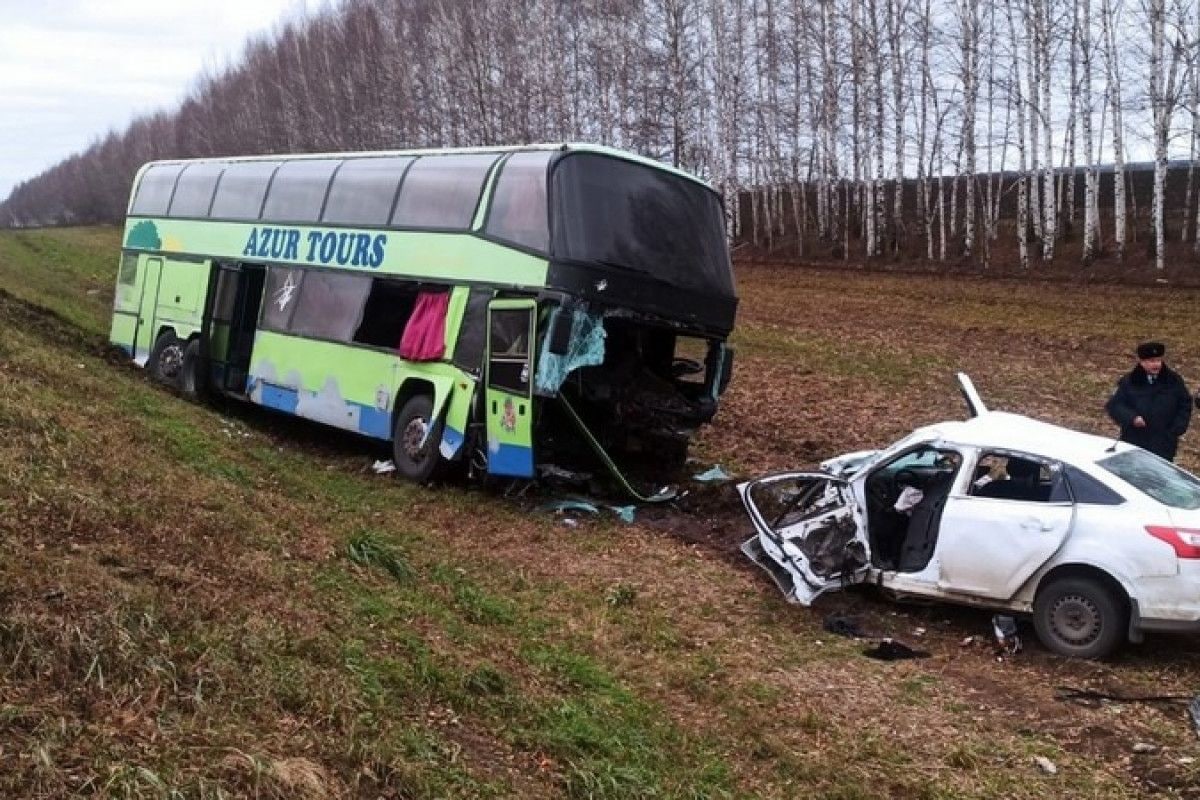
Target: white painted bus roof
[(579, 147)]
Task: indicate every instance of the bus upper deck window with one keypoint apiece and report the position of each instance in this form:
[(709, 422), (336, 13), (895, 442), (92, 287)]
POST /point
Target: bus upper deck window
[(240, 192), (154, 190), (518, 212), (442, 191), (363, 191), (194, 192), (298, 190)]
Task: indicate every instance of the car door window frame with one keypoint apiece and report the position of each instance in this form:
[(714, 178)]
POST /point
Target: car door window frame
[(1060, 487)]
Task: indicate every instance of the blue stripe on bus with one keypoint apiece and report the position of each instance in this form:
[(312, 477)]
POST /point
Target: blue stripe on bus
[(511, 459), (280, 398), (452, 440), (373, 422)]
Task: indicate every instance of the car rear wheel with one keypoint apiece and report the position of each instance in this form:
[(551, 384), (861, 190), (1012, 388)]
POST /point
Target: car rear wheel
[(1079, 617)]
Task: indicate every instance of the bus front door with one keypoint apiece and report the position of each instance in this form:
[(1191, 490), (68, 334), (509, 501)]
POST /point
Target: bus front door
[(512, 326), (143, 337)]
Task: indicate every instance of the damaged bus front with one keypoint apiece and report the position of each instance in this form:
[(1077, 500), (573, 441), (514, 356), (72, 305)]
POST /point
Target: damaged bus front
[(494, 308), (637, 346)]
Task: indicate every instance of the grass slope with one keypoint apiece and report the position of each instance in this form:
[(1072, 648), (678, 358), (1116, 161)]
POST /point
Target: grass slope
[(209, 601)]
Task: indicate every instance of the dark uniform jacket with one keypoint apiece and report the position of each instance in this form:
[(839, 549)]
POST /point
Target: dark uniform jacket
[(1165, 405)]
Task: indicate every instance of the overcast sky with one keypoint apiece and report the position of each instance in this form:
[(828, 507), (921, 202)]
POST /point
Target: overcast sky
[(71, 70)]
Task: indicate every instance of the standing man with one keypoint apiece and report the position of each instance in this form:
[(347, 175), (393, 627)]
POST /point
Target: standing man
[(1151, 404)]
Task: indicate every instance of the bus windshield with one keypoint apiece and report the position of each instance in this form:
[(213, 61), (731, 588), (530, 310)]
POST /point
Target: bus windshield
[(628, 216)]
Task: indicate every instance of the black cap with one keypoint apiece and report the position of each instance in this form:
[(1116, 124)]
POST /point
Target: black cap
[(1151, 350)]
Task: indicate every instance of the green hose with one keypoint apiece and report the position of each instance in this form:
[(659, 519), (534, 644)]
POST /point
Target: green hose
[(664, 495)]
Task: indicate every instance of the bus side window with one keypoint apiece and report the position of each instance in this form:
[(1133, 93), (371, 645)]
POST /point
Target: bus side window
[(518, 212), (388, 309), (472, 333), (330, 305)]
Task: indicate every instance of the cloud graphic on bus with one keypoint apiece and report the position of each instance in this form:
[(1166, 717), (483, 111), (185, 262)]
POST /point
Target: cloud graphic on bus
[(144, 236)]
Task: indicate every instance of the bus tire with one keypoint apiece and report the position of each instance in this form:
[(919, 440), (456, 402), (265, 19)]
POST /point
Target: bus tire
[(166, 359), (416, 439), (191, 375)]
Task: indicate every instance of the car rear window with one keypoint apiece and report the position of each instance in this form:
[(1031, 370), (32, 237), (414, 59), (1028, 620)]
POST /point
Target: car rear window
[(1087, 489), (1160, 479)]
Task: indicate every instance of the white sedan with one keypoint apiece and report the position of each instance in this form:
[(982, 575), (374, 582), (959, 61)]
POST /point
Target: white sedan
[(1098, 540)]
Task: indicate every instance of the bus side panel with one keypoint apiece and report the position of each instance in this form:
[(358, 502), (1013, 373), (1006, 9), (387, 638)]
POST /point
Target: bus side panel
[(347, 387), (458, 416), (182, 286), (126, 300), (122, 331), (353, 388)]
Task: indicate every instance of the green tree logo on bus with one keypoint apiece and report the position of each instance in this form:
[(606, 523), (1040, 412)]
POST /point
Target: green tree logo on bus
[(144, 236)]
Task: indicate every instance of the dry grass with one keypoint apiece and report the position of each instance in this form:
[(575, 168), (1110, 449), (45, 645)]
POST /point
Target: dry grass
[(219, 602)]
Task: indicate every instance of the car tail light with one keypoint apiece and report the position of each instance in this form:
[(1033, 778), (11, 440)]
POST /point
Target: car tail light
[(1185, 541)]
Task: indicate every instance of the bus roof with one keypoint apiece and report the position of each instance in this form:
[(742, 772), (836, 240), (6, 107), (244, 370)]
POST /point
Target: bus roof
[(580, 147)]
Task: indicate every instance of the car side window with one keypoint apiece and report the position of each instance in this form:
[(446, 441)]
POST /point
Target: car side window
[(1087, 489), (1001, 476)]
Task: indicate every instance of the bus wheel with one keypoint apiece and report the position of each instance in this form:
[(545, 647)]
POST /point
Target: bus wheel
[(415, 440), (191, 381), (166, 359)]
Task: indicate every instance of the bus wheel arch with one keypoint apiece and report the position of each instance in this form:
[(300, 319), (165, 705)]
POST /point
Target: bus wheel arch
[(416, 433)]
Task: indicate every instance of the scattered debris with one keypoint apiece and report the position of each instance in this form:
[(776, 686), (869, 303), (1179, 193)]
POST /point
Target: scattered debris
[(555, 471), (844, 626), (1092, 698), (53, 595), (1145, 747), (568, 504), (1008, 642), (713, 474), (383, 467), (624, 512), (918, 631), (891, 650), (1046, 765), (967, 642), (570, 522)]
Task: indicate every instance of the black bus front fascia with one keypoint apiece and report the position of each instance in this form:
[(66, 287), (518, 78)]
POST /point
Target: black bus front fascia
[(700, 312)]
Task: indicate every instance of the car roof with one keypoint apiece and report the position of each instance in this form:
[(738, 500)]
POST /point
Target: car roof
[(1000, 429)]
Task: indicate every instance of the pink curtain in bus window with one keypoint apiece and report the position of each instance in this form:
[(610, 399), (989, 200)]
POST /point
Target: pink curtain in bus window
[(424, 336)]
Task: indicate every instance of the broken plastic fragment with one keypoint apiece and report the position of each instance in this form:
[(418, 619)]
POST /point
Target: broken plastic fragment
[(892, 650), (1047, 766), (714, 474), (1005, 629), (624, 512), (569, 505), (555, 471), (383, 467)]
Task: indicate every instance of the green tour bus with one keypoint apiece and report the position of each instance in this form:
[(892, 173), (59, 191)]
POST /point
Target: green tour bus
[(500, 308)]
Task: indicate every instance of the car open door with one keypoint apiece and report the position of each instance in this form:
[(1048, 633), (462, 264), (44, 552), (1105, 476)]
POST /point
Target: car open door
[(810, 535)]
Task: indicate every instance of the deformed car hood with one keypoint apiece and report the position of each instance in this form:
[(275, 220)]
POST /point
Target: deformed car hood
[(848, 463)]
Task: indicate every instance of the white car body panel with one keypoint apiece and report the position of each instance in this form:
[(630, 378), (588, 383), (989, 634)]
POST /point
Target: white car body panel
[(781, 543), (989, 547), (996, 552)]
